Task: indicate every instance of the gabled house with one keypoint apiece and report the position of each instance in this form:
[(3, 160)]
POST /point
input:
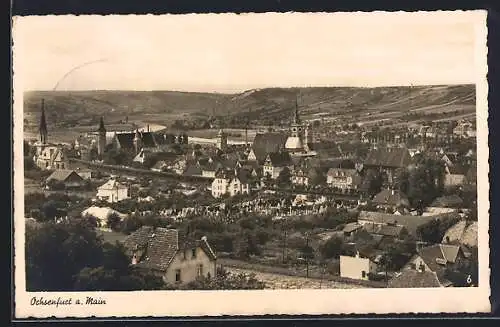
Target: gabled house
[(356, 267), (275, 163), (343, 178), (231, 182), (178, 258), (68, 178), (266, 143), (390, 199), (112, 191), (437, 258), (50, 157), (388, 160), (454, 176)]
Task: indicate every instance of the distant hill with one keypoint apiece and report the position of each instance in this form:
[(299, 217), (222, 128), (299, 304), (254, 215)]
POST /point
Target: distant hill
[(258, 103)]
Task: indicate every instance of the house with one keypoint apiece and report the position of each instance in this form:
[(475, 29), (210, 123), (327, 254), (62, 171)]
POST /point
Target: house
[(68, 178), (350, 229), (392, 230), (102, 214), (86, 174), (346, 179), (133, 142), (414, 279), (356, 267), (410, 223), (231, 182), (390, 199), (454, 176), (50, 157), (266, 143), (275, 163), (177, 258), (112, 191), (300, 176), (388, 160), (437, 258), (448, 201), (462, 233)]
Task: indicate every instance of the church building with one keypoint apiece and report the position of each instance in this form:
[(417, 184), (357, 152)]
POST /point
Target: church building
[(48, 156)]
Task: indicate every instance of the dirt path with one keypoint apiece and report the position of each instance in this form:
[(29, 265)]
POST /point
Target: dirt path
[(276, 281)]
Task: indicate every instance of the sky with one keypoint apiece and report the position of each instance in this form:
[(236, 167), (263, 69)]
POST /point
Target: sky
[(231, 53)]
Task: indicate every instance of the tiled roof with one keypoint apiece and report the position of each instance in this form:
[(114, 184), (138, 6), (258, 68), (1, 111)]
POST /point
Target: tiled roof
[(447, 201), (280, 159), (455, 232), (434, 254), (469, 237), (389, 157), (156, 247), (126, 140), (462, 233), (390, 197), (409, 278), (351, 227), (411, 223), (266, 143), (112, 185), (62, 174)]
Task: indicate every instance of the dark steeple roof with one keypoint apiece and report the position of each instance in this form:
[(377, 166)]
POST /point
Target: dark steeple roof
[(101, 126), (43, 125), (296, 118)]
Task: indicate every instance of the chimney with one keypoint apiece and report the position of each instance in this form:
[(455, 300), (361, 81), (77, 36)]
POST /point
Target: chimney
[(148, 128)]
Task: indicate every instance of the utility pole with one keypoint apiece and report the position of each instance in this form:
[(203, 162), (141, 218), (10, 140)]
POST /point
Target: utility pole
[(284, 241)]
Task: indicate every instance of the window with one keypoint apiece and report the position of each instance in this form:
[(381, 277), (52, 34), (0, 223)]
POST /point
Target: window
[(200, 270), (193, 253), (363, 274), (177, 275)]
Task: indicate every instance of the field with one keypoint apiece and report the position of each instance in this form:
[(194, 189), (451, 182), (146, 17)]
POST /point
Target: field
[(259, 105)]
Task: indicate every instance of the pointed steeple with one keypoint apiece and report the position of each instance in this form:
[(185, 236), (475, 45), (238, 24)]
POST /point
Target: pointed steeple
[(43, 125), (101, 126), (296, 118)]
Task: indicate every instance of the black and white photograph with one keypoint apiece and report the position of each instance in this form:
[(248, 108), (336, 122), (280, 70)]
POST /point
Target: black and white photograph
[(160, 160)]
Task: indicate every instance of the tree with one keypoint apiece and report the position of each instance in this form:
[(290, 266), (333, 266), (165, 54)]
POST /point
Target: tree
[(114, 221), (434, 230), (332, 248), (426, 181), (284, 177), (71, 256)]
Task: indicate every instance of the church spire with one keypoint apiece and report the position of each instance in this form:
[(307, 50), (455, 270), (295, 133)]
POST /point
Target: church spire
[(43, 125), (101, 126), (296, 118)]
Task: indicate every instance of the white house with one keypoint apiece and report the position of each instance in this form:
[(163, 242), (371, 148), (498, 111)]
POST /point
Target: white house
[(50, 157), (343, 178), (230, 182), (112, 191), (356, 267)]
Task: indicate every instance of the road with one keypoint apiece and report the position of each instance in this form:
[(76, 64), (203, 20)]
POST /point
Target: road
[(277, 281)]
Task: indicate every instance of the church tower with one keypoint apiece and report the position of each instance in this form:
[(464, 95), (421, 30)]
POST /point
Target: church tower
[(221, 140), (295, 141), (137, 141), (101, 138), (43, 126)]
